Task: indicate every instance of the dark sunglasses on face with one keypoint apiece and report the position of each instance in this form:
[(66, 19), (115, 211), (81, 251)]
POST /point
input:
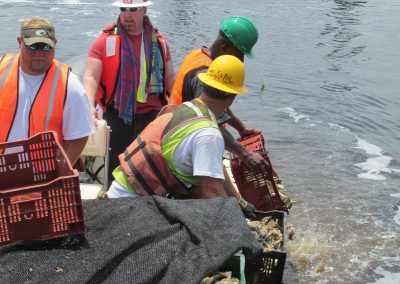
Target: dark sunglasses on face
[(41, 46), (123, 9)]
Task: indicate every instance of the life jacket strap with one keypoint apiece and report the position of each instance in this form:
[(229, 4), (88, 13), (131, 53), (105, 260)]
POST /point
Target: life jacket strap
[(139, 177), (138, 148), (154, 167)]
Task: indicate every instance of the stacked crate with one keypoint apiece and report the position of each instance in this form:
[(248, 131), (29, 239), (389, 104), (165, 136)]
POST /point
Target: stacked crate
[(39, 191)]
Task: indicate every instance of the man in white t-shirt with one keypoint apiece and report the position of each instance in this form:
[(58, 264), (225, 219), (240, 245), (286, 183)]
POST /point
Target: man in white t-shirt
[(190, 143), (39, 93)]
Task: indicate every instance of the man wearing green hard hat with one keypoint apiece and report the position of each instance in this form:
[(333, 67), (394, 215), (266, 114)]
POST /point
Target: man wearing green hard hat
[(236, 36), (241, 32)]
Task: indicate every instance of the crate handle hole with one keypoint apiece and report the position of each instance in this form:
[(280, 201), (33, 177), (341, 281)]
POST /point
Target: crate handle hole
[(28, 218), (12, 167)]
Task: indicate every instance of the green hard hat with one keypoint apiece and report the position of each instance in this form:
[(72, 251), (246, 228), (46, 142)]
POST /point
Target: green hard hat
[(241, 32)]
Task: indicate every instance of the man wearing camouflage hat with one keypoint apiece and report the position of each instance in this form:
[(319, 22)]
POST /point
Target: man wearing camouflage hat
[(39, 93)]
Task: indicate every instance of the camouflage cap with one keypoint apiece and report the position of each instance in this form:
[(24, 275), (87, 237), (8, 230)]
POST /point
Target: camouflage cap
[(36, 30)]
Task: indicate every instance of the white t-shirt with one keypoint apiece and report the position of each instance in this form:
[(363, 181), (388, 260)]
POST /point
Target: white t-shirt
[(77, 119), (199, 153)]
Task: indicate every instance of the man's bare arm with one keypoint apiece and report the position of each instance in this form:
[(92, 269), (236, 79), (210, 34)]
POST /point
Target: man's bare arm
[(91, 81), (74, 148)]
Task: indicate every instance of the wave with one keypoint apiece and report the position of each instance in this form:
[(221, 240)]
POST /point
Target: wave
[(376, 165), (293, 114), (396, 209), (373, 168), (388, 277)]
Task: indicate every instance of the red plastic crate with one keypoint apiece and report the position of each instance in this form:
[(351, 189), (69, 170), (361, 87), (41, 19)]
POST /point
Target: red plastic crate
[(254, 142), (39, 191), (258, 189)]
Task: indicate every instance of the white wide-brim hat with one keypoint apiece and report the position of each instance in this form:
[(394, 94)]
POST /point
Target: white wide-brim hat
[(132, 3)]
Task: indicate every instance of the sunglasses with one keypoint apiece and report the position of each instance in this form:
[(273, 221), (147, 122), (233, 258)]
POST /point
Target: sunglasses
[(134, 9), (39, 46)]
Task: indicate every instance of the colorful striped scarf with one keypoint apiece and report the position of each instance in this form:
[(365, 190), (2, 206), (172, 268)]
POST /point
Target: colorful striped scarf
[(126, 91), (155, 82)]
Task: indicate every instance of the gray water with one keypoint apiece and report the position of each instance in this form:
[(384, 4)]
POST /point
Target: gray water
[(329, 111)]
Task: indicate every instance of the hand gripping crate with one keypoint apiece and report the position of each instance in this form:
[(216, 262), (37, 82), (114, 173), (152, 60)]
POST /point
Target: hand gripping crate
[(39, 191), (256, 143), (258, 189), (268, 267)]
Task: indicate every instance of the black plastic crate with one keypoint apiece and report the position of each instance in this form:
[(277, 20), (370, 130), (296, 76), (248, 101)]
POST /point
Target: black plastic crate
[(268, 267), (236, 264)]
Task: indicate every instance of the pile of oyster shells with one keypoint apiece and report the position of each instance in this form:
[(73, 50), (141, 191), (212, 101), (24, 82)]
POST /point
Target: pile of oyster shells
[(221, 278), (268, 232)]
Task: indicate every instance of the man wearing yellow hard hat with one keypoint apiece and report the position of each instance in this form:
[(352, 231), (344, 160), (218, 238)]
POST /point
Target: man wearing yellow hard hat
[(180, 153), (237, 36)]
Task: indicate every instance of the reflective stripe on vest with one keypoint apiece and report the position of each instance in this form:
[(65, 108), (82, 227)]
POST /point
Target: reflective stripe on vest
[(7, 100), (50, 104), (47, 109), (194, 108), (7, 60), (194, 60)]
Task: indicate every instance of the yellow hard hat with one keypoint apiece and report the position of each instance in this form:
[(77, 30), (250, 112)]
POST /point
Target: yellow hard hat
[(226, 73)]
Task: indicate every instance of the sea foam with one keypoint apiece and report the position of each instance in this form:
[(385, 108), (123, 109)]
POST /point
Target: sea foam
[(376, 165), (388, 277)]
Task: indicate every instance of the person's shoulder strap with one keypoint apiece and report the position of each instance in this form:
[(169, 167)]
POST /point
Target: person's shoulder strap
[(167, 109), (111, 29), (206, 51)]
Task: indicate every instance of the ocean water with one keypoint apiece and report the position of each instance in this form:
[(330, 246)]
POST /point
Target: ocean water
[(330, 112)]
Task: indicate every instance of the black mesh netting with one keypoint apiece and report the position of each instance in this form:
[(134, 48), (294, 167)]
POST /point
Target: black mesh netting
[(141, 240)]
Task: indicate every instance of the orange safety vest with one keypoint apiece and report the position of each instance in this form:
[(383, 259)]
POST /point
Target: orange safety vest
[(111, 65), (46, 113), (195, 60), (144, 163)]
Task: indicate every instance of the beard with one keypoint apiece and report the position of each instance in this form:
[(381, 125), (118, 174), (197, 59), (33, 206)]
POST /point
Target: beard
[(134, 27), (39, 65), (130, 26)]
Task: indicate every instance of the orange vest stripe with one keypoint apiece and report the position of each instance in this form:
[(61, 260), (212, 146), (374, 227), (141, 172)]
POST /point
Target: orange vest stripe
[(46, 113), (8, 94), (6, 62), (193, 60)]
